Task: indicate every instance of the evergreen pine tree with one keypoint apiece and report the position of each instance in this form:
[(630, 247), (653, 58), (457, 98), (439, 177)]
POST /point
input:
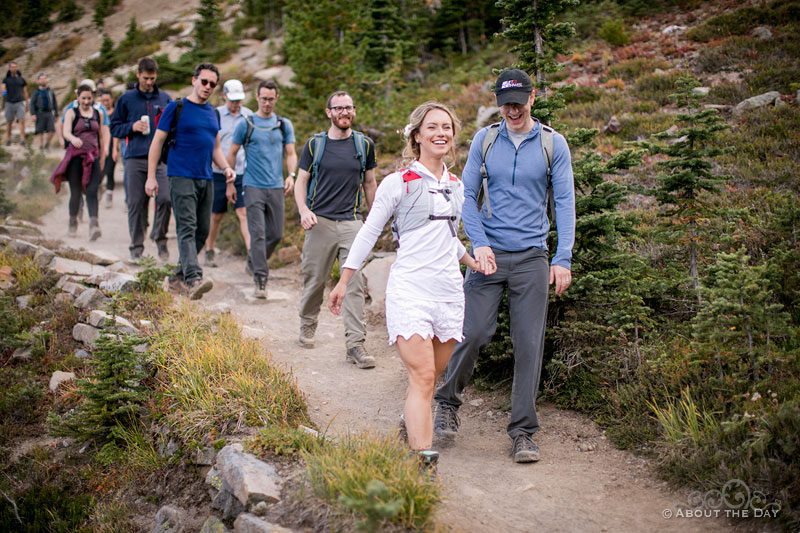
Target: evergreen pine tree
[(6, 205), (133, 35), (324, 46), (69, 11), (35, 18), (532, 25), (107, 58), (112, 393), (688, 171), (739, 320)]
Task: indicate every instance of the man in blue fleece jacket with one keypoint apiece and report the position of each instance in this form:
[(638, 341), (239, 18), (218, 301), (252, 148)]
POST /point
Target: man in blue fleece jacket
[(514, 236), (143, 100)]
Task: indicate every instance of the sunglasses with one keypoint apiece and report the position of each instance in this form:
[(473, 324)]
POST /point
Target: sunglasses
[(210, 83)]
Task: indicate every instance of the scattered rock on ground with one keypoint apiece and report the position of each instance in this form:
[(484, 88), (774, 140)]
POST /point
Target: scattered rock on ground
[(701, 91), (25, 248), (23, 301), (90, 299), (22, 354), (60, 377), (86, 334), (169, 519), (757, 101), (672, 29), (63, 299), (6, 272), (613, 126), (250, 479), (485, 114), (761, 32), (74, 289), (227, 503), (289, 254), (62, 265), (213, 525), (80, 353), (248, 523)]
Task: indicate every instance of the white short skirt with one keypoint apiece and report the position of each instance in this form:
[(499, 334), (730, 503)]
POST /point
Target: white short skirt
[(408, 316)]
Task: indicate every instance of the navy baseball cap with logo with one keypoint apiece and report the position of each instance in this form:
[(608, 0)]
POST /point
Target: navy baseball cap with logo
[(513, 86)]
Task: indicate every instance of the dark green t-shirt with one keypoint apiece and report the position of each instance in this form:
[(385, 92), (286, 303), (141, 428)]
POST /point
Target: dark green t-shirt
[(336, 187)]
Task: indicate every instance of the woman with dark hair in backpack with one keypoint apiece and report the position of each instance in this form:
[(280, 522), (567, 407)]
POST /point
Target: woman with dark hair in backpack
[(83, 161), (424, 293)]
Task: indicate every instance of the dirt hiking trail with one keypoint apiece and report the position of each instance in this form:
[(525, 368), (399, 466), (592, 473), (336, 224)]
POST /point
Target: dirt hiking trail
[(599, 489)]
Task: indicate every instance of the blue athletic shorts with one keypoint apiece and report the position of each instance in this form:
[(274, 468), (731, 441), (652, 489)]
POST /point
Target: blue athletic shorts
[(220, 200)]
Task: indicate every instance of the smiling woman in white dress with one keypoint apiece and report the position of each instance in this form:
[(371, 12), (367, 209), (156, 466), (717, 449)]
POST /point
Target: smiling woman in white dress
[(424, 293)]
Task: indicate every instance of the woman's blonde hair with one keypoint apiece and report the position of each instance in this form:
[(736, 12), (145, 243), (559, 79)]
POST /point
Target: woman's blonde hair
[(411, 149)]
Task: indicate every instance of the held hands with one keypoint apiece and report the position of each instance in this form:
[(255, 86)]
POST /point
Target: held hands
[(484, 259), (336, 297), (562, 277), (288, 186), (151, 186), (230, 192)]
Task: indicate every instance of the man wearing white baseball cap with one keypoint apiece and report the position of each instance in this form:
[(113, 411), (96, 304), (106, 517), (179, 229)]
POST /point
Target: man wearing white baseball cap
[(229, 116)]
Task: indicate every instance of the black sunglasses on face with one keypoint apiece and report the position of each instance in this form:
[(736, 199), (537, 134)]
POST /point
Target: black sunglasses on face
[(210, 83)]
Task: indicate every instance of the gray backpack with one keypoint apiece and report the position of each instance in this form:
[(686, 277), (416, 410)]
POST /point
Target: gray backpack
[(547, 150)]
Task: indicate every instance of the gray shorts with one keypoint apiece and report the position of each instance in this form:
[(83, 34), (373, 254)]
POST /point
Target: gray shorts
[(45, 122), (15, 111)]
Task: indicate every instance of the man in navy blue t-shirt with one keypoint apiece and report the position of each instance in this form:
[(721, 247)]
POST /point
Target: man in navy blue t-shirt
[(189, 170)]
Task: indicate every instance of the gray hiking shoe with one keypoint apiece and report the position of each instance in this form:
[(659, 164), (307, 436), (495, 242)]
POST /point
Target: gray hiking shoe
[(359, 357), (402, 431), (445, 421), (261, 288), (306, 338), (211, 258), (198, 287), (428, 461), (524, 449), (163, 252)]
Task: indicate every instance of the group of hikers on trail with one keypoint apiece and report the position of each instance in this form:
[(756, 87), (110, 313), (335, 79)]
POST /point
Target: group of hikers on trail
[(194, 160)]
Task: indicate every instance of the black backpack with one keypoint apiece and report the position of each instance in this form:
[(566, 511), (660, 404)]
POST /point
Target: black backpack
[(95, 116), (169, 142)]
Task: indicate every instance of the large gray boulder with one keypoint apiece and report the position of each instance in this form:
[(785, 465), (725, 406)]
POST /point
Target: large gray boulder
[(757, 101), (213, 525), (101, 319), (251, 480), (74, 289), (90, 299), (113, 281), (86, 334), (62, 265)]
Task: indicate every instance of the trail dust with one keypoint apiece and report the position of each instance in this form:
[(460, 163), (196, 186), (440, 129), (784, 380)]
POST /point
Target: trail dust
[(582, 483)]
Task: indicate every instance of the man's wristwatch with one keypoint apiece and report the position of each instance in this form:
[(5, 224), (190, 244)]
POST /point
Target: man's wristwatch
[(293, 175)]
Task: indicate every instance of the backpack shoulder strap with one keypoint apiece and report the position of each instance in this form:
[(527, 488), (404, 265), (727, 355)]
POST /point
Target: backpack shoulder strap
[(282, 126), (219, 118), (362, 147), (316, 145), (488, 141), (547, 151), (249, 133)]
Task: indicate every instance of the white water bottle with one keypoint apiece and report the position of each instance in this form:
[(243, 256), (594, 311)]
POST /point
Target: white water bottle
[(146, 120)]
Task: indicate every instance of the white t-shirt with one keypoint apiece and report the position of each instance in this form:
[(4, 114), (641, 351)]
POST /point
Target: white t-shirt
[(427, 258)]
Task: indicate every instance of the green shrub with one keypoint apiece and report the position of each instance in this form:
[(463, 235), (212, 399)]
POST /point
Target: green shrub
[(613, 32), (657, 87), (281, 439), (69, 11), (375, 477), (742, 21)]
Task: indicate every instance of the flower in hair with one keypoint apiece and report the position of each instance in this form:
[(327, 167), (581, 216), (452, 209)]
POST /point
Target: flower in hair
[(407, 130)]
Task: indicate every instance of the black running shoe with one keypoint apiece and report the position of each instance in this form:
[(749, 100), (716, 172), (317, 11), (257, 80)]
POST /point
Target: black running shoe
[(524, 449), (445, 421)]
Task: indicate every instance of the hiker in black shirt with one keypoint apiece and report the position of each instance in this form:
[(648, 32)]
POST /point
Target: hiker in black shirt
[(16, 96), (44, 110)]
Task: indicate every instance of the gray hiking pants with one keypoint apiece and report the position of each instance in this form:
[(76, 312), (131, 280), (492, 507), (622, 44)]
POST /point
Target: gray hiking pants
[(527, 275), (325, 242), (138, 202), (265, 223), (191, 199)]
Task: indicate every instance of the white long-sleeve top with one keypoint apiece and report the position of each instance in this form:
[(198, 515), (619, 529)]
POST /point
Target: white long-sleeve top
[(427, 257)]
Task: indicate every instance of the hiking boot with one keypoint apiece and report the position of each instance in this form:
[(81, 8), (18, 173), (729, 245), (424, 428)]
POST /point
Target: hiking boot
[(73, 225), (163, 252), (177, 286), (94, 229), (80, 209), (198, 287), (445, 421), (306, 338), (402, 430), (109, 199), (359, 357), (211, 258), (261, 288), (248, 267), (136, 256), (524, 449), (428, 461)]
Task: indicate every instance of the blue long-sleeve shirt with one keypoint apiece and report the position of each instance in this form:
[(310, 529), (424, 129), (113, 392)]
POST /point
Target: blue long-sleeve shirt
[(518, 195), (130, 108)]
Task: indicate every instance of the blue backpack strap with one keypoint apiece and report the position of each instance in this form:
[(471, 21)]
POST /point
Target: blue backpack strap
[(486, 145), (282, 126), (316, 146)]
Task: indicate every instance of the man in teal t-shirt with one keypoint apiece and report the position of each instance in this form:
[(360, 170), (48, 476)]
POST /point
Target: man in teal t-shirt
[(270, 140)]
